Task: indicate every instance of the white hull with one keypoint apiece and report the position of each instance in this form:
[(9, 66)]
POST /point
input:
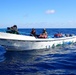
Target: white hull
[(15, 42)]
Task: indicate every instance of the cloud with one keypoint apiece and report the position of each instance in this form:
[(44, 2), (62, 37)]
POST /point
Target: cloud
[(50, 12)]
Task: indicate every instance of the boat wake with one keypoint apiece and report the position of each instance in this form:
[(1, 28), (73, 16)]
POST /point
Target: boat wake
[(58, 60)]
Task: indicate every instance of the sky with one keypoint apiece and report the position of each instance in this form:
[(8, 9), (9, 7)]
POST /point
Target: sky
[(38, 13)]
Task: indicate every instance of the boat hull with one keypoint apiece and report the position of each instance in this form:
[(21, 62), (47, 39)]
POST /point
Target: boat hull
[(21, 45), (29, 43)]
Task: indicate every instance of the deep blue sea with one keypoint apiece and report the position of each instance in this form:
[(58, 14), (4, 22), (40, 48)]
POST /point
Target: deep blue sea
[(60, 60)]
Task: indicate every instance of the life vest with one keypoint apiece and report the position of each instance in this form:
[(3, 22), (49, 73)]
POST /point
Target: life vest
[(42, 36), (58, 35)]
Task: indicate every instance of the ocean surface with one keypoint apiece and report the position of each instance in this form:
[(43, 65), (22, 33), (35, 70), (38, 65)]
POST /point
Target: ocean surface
[(60, 60)]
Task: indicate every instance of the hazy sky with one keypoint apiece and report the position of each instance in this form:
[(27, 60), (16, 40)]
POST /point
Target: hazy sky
[(38, 13)]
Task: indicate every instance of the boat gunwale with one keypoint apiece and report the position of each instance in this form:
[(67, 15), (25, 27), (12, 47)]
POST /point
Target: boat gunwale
[(15, 37)]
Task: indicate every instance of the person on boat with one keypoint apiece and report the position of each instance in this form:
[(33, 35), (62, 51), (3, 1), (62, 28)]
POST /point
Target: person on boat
[(68, 35), (58, 35), (33, 32), (12, 29), (15, 30), (44, 34), (8, 30)]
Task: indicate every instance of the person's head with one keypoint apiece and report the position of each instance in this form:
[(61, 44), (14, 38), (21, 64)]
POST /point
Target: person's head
[(33, 29), (15, 26), (44, 30), (8, 28), (12, 28)]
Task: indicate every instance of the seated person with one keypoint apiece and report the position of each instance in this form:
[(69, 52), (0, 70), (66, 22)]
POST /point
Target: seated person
[(69, 35), (12, 30), (8, 30), (58, 35), (33, 32), (44, 34)]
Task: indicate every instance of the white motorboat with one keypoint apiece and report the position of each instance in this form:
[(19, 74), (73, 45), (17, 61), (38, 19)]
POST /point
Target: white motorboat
[(16, 42)]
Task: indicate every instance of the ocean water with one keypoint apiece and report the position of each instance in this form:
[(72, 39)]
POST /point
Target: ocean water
[(60, 60)]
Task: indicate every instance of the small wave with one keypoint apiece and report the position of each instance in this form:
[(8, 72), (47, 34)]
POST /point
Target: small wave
[(2, 52)]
